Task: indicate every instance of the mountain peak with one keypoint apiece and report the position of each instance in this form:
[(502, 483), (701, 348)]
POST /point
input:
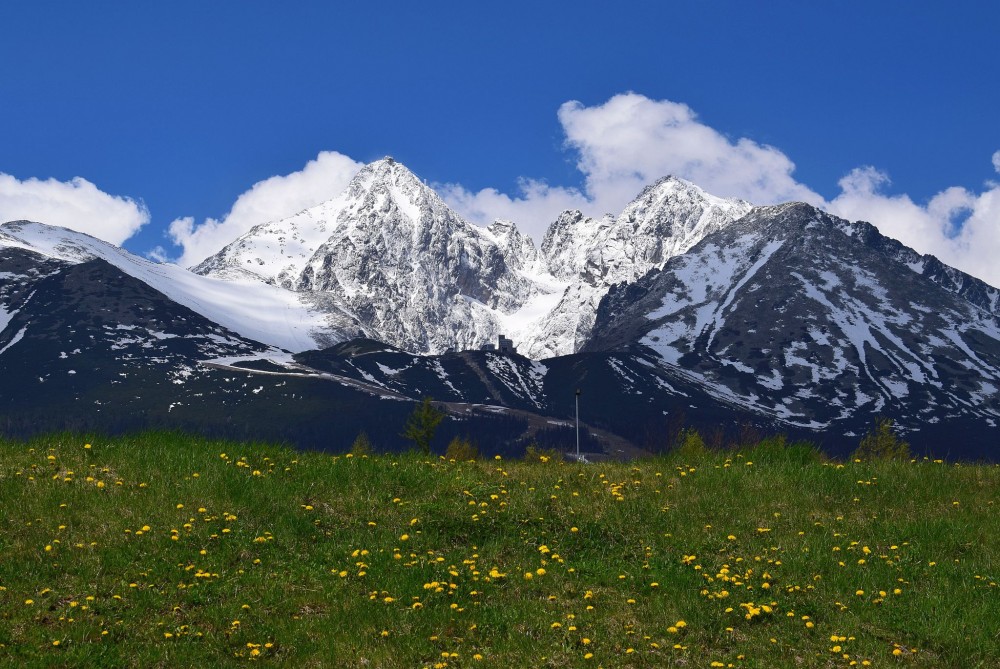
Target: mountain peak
[(385, 171), (675, 181), (673, 188)]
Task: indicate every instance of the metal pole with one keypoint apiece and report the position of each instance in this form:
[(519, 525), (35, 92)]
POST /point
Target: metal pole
[(577, 423)]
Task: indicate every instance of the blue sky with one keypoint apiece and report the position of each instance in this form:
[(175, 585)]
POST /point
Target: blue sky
[(182, 107)]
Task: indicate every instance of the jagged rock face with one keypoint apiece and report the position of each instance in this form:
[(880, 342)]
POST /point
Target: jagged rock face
[(567, 327), (518, 249), (667, 219), (784, 315), (974, 290), (813, 320), (390, 255), (569, 242), (399, 241), (274, 252)]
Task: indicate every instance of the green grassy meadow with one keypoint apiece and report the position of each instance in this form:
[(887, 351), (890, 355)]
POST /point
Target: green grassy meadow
[(168, 551)]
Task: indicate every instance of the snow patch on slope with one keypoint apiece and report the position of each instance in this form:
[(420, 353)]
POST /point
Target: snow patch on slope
[(6, 317), (18, 337)]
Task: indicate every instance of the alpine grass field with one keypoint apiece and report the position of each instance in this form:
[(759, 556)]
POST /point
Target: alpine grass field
[(167, 550)]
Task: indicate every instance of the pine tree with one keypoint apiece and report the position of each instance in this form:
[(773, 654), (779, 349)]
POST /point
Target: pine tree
[(422, 424), (362, 444), (882, 444)]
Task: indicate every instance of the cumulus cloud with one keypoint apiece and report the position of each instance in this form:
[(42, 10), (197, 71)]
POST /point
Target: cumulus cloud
[(630, 141), (76, 204), (268, 200), (158, 254)]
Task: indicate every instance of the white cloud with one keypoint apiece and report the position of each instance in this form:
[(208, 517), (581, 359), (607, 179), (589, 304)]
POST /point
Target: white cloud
[(158, 254), (268, 200), (996, 161), (631, 140), (76, 204), (861, 198)]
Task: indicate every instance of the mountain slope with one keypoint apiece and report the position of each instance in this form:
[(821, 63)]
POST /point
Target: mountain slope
[(72, 332), (258, 311), (816, 322)]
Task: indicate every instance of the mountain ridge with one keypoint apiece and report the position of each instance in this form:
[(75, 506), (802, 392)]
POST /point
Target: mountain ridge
[(780, 316), (358, 257)]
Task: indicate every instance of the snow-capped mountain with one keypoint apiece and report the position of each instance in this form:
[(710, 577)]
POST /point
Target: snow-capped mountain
[(666, 219), (390, 260), (75, 335), (816, 322)]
